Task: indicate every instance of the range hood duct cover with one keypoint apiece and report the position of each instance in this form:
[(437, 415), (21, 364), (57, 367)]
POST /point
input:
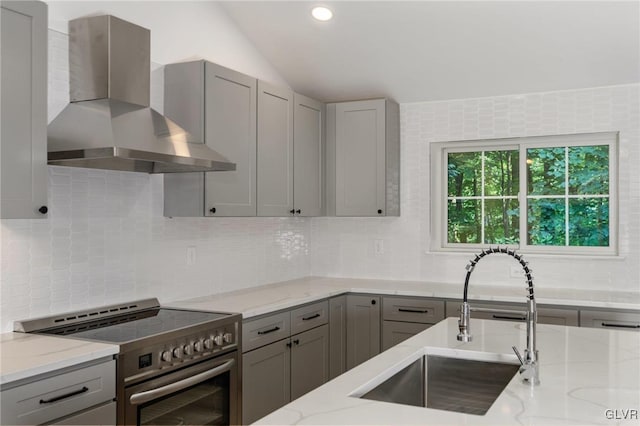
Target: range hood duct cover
[(109, 124)]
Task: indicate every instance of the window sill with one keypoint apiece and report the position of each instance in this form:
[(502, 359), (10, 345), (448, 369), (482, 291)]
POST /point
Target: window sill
[(530, 255)]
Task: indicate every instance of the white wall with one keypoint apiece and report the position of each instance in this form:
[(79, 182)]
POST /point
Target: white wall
[(180, 31), (344, 247)]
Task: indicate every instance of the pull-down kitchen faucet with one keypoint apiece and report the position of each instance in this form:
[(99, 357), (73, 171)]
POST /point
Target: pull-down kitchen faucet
[(528, 365)]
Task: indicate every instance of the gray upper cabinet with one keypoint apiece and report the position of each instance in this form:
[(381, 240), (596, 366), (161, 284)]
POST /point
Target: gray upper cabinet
[(275, 151), (218, 106), (308, 135), (363, 158), (23, 168)]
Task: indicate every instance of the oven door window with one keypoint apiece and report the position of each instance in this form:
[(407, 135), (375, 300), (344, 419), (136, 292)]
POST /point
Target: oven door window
[(206, 403)]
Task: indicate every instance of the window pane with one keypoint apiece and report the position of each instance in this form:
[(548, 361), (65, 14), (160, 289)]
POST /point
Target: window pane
[(465, 174), (545, 171), (589, 222), (501, 170), (589, 170), (463, 221), (546, 226), (501, 222)]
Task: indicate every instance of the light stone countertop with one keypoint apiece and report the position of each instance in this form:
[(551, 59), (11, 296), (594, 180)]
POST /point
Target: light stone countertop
[(25, 355), (273, 297), (583, 372)]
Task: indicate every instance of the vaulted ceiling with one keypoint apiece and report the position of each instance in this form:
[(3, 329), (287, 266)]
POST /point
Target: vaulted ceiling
[(427, 50)]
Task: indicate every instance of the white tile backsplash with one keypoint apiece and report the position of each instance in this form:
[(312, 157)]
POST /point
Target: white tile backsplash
[(106, 240)]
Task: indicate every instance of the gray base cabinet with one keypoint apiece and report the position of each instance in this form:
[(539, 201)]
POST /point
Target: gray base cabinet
[(23, 119), (363, 158), (266, 380), (394, 332), (309, 360), (337, 336), (73, 394), (275, 372), (404, 317), (363, 328)]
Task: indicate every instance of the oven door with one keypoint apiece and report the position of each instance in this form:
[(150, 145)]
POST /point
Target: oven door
[(202, 394)]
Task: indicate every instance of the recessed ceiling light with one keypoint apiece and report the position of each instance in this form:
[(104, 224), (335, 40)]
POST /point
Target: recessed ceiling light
[(322, 13)]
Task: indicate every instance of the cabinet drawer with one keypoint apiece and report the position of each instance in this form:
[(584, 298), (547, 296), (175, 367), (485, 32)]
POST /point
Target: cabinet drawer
[(265, 330), (412, 309), (49, 399), (610, 319), (546, 315), (310, 316)]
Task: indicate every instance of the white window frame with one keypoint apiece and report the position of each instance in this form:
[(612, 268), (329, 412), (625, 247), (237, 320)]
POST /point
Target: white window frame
[(439, 191)]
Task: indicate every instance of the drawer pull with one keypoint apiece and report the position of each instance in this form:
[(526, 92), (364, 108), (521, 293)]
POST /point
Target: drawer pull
[(271, 330), (608, 324), (413, 311), (66, 395), (311, 317), (507, 317)]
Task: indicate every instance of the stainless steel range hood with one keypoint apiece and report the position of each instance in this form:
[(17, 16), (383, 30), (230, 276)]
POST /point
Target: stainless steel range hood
[(109, 124)]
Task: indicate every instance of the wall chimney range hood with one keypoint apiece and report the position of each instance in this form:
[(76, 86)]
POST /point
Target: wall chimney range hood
[(109, 124)]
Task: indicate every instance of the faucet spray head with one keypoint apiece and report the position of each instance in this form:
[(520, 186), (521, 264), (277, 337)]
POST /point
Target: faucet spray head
[(464, 323)]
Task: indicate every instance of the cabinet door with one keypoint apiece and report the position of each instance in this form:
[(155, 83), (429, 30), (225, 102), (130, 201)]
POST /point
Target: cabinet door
[(275, 151), (309, 360), (266, 384), (394, 332), (23, 168), (218, 107), (337, 336), (363, 328), (101, 415), (230, 129), (308, 134), (360, 158)]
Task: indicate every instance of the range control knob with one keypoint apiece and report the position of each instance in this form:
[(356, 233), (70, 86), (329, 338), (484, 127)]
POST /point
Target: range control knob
[(198, 346), (177, 352), (166, 356), (227, 337), (187, 349), (218, 340), (208, 343)]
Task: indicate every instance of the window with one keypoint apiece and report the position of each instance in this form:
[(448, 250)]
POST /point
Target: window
[(552, 194)]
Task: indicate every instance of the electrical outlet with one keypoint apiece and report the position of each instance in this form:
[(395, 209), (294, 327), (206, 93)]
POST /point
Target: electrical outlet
[(516, 271), (378, 247), (191, 255)]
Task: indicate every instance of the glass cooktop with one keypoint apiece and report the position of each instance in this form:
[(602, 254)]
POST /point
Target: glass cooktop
[(135, 326)]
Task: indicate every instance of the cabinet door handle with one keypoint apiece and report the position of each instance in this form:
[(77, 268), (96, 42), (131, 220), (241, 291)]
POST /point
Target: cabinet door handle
[(608, 324), (66, 395), (311, 317), (414, 311), (379, 211), (288, 344), (292, 211), (212, 210), (298, 211), (271, 330), (373, 301), (297, 342), (507, 317), (43, 209)]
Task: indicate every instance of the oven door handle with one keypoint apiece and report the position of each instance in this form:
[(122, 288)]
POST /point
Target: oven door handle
[(146, 396)]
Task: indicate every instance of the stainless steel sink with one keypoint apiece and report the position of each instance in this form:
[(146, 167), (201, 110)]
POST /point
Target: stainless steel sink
[(445, 383)]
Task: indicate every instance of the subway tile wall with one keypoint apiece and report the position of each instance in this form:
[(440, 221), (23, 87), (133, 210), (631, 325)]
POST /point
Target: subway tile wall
[(344, 247), (106, 240)]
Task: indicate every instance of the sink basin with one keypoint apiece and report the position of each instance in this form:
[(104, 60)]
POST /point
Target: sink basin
[(446, 383)]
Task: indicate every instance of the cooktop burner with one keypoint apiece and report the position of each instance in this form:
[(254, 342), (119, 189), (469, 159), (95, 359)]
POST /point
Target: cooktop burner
[(135, 325)]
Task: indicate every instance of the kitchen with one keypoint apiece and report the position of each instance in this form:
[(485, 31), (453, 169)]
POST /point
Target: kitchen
[(106, 239)]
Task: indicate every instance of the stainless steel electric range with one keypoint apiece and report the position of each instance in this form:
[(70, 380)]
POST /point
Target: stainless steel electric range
[(175, 366)]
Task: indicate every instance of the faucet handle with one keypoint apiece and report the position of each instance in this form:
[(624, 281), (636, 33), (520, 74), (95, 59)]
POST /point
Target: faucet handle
[(517, 352)]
